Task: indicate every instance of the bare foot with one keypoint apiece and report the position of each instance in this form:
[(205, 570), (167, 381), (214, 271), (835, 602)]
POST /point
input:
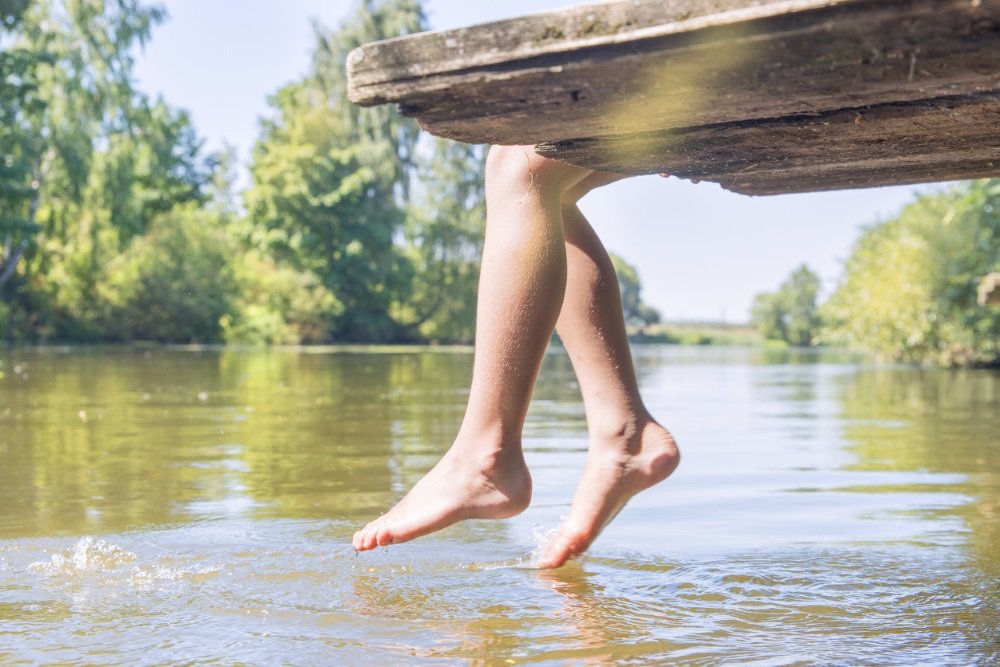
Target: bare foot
[(615, 471), (463, 485)]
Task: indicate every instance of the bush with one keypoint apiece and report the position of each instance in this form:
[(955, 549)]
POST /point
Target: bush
[(278, 304), (189, 280), (909, 287), (174, 283), (791, 314)]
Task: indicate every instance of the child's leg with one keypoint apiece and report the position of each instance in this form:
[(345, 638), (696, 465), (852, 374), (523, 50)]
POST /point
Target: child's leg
[(628, 451), (521, 289)]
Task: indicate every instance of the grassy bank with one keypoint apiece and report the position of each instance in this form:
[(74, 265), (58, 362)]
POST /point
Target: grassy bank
[(698, 333)]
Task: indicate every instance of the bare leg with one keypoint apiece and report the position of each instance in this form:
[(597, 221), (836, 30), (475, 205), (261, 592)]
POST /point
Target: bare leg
[(521, 288), (628, 450)]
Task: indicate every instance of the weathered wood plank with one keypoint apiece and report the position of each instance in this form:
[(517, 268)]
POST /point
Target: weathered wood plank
[(633, 86), (566, 30), (940, 139), (824, 54)]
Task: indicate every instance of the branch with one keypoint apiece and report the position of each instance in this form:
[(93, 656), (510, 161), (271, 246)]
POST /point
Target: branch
[(11, 263), (438, 300)]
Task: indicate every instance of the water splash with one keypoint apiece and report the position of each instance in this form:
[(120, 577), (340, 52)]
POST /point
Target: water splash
[(542, 537), (88, 555), (93, 560)]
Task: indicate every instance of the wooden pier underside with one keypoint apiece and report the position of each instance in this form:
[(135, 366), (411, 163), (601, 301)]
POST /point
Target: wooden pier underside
[(761, 96)]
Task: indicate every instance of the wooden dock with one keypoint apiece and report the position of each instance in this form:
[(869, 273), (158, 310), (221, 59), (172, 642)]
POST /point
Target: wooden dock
[(761, 96)]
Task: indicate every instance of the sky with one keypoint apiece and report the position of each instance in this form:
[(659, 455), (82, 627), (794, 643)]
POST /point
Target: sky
[(702, 253)]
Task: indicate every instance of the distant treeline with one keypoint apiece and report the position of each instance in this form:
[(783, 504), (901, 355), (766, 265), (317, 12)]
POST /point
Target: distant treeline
[(909, 288), (116, 225)]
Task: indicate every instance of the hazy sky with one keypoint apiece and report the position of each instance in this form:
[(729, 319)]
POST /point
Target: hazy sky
[(702, 253)]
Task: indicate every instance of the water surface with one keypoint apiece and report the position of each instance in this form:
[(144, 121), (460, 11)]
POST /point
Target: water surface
[(170, 505)]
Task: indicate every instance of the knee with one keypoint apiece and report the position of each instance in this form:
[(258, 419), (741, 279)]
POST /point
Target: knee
[(512, 171), (594, 180)]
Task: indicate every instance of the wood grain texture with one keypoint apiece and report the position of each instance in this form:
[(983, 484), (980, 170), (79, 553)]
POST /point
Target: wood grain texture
[(943, 138), (760, 96)]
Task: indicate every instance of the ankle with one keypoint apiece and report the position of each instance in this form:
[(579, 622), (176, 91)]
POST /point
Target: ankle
[(488, 444), (618, 431)]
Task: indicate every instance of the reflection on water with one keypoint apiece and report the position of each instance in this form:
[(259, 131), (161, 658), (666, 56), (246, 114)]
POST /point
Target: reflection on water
[(169, 505)]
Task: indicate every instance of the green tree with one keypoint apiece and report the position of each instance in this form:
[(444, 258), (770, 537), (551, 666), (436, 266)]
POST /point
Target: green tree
[(187, 279), (391, 224), (318, 205), (768, 317), (909, 286), (329, 179), (19, 103), (637, 314), (99, 158), (174, 283), (390, 141), (274, 303), (792, 313), (444, 231)]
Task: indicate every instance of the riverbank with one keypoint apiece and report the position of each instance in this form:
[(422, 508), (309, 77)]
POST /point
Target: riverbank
[(699, 333)]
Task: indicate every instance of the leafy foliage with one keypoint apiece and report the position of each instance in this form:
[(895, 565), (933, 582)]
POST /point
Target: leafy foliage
[(637, 314), (445, 224), (115, 224), (173, 283), (390, 224), (187, 280), (274, 303), (318, 205), (791, 314), (19, 102), (909, 287), (93, 159)]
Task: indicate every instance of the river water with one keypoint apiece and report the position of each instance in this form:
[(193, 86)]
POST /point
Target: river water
[(196, 507)]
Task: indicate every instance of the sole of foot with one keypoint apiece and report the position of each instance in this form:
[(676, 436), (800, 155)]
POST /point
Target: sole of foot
[(463, 485), (613, 474)]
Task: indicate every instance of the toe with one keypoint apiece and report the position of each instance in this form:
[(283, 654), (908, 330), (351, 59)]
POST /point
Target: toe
[(564, 547), (368, 538), (555, 554), (372, 537), (556, 557), (383, 536), (552, 559)]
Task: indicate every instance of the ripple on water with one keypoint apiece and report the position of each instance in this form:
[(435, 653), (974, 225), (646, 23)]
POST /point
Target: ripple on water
[(291, 592), (834, 606)]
